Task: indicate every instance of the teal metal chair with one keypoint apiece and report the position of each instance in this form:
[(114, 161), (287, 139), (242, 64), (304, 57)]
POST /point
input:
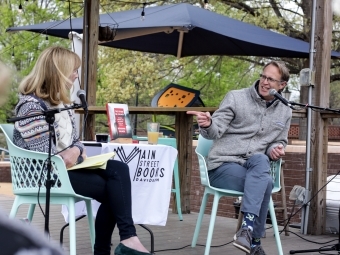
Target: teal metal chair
[(28, 171), (202, 150), (176, 189)]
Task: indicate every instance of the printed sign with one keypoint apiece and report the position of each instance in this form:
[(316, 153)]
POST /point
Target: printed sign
[(151, 171)]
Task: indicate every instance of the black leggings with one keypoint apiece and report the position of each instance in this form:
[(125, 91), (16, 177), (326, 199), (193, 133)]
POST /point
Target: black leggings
[(112, 188)]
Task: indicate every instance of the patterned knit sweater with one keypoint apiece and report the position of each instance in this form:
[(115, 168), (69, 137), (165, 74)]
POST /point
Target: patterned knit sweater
[(32, 133)]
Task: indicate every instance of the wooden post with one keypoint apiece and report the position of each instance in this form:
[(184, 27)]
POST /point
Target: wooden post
[(184, 142), (319, 136), (89, 61)]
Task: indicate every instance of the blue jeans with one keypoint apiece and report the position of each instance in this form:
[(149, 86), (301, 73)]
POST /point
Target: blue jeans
[(254, 179), (112, 188)]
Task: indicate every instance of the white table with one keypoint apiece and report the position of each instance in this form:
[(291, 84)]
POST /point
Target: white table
[(151, 171)]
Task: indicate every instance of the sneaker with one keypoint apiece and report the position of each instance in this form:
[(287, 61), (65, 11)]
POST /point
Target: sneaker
[(257, 250), (242, 239)]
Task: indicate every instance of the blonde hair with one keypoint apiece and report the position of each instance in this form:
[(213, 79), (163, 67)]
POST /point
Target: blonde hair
[(5, 79), (50, 75)]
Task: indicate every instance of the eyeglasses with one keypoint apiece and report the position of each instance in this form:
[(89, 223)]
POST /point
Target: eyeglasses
[(269, 79)]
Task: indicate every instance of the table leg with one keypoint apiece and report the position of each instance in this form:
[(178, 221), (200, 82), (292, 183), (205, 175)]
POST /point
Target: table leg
[(183, 133)]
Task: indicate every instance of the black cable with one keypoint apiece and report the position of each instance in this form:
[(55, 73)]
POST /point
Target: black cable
[(288, 220), (292, 215), (202, 245), (272, 226), (311, 240)]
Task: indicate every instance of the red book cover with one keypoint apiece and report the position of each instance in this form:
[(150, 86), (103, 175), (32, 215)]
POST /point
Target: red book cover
[(118, 120)]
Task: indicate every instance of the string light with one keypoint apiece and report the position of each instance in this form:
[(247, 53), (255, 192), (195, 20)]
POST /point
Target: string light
[(205, 4), (12, 52), (46, 38), (20, 7), (143, 12)]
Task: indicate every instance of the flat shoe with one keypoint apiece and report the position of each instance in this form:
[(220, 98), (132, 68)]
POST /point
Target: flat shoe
[(121, 249)]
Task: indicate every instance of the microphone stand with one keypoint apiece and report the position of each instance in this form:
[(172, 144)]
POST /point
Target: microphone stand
[(335, 247), (49, 116), (291, 104)]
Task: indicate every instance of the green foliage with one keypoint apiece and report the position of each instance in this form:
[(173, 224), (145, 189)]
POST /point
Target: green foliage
[(125, 76), (214, 76), (20, 50)]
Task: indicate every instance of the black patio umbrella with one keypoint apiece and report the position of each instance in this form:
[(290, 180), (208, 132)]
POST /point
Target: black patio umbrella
[(184, 30)]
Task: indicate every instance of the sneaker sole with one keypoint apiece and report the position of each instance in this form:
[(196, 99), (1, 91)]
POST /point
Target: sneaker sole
[(240, 246)]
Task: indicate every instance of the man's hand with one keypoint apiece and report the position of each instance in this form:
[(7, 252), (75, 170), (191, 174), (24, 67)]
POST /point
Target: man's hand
[(277, 152), (203, 118)]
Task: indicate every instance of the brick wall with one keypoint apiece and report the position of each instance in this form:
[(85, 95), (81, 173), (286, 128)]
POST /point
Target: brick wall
[(333, 132), (5, 172), (294, 174)]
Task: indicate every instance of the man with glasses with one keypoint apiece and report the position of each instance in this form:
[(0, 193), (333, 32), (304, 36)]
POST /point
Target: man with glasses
[(249, 129)]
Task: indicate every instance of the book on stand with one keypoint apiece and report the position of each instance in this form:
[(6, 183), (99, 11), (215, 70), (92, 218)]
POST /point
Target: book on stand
[(119, 122)]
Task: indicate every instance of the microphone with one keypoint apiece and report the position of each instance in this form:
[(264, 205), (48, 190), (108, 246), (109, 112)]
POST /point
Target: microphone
[(81, 94), (274, 93)]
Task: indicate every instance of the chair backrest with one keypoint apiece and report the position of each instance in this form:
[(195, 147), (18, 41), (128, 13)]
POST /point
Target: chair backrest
[(29, 169), (202, 150), (168, 141), (275, 171)]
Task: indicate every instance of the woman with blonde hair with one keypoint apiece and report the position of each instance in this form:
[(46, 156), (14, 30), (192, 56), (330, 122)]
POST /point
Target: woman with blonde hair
[(48, 86)]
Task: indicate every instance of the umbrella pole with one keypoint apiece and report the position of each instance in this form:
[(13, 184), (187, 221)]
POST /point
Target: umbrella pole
[(180, 43)]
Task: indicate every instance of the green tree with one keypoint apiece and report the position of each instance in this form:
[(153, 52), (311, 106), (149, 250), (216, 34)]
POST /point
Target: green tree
[(20, 50)]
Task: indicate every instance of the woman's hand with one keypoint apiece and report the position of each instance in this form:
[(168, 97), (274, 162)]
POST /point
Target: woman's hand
[(70, 156), (84, 154)]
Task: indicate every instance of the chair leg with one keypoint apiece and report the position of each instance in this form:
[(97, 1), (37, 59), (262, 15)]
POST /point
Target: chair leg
[(14, 208), (177, 191), (275, 227), (240, 218), (199, 219), (283, 201), (212, 223), (91, 222), (72, 229), (178, 204), (31, 212), (61, 235)]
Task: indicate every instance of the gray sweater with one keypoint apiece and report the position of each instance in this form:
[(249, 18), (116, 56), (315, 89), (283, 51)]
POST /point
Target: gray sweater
[(243, 126)]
